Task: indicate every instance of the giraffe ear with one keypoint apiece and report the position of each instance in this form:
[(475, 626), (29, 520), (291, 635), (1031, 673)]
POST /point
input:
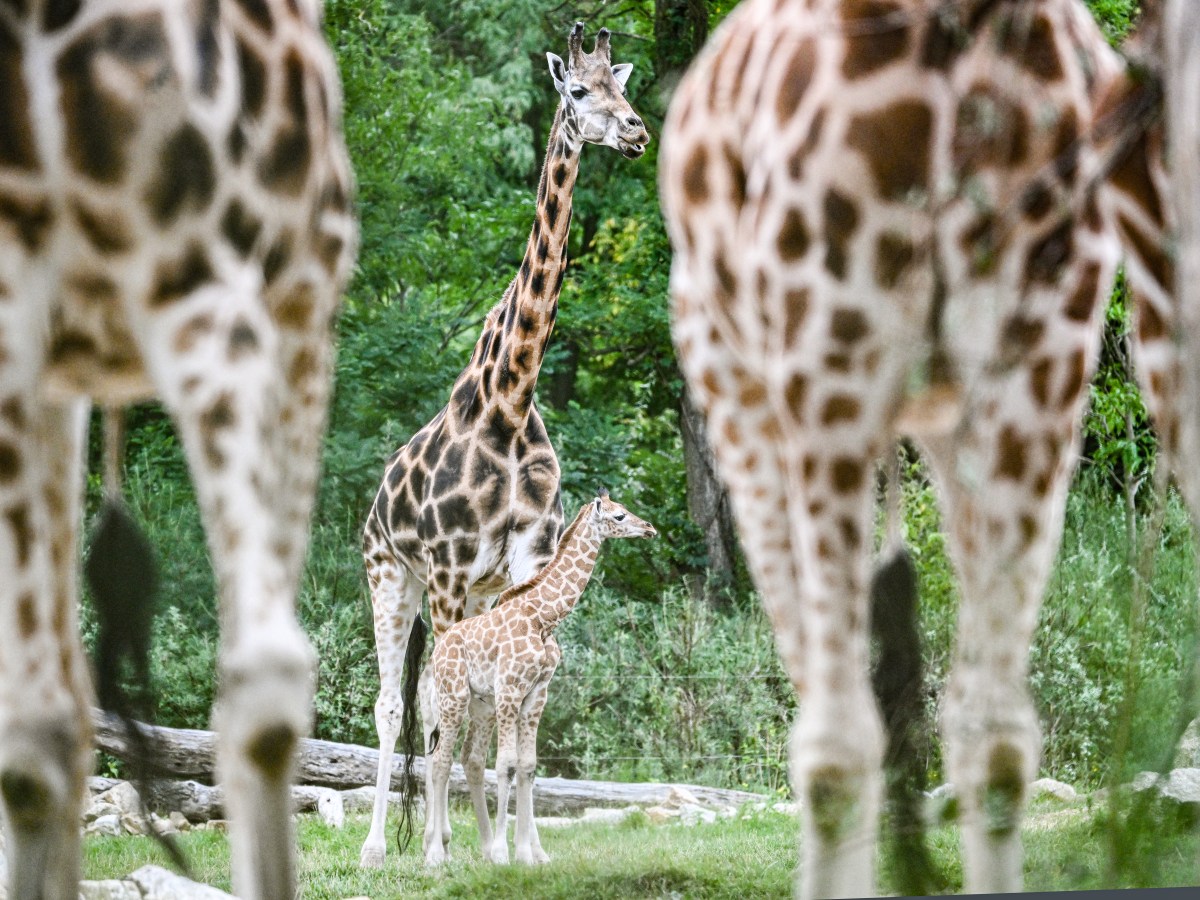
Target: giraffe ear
[(621, 72), (598, 504), (558, 71)]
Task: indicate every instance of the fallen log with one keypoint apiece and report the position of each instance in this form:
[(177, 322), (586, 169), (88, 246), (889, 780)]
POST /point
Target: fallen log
[(188, 753)]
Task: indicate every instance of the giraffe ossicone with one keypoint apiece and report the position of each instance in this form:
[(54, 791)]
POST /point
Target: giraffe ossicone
[(471, 503), (175, 220), (896, 216), (495, 669)]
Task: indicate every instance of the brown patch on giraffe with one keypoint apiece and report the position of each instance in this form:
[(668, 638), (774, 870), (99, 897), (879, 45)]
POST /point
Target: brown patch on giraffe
[(1074, 381), (894, 253), (792, 241), (258, 12), (795, 309), (1082, 301), (841, 220), (795, 394), (1066, 145), (304, 366), (795, 81), (174, 280), (193, 331), (983, 244), (990, 130), (1010, 455), (12, 412), (278, 256), (838, 362), (18, 521), (253, 77), (753, 394), (846, 474), (1150, 324), (1036, 201), (240, 227), (219, 417), (1020, 335), (107, 233), (242, 341), (848, 325), (1046, 258), (1031, 45), (295, 312), (26, 616), (894, 141), (811, 136), (1040, 375), (17, 147), (1131, 176), (1149, 251), (10, 462), (100, 126), (872, 41), (840, 408), (1029, 529), (848, 529), (186, 178), (737, 177), (30, 219), (695, 175), (286, 166), (1005, 788)]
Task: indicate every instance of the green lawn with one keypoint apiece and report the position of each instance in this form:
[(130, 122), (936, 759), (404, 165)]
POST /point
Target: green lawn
[(751, 857)]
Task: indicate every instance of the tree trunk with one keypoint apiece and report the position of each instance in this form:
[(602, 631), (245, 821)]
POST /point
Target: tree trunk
[(708, 503)]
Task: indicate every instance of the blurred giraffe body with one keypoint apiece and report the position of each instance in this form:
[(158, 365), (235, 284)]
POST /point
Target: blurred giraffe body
[(891, 217)]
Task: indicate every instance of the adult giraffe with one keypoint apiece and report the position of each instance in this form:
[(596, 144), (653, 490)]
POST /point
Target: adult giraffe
[(888, 218), (471, 503), (174, 221)]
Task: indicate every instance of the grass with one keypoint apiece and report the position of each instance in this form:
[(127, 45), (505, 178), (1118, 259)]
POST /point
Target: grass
[(1065, 849)]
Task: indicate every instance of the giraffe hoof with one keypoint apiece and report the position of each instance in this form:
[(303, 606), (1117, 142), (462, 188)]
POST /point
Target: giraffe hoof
[(500, 854), (371, 858)]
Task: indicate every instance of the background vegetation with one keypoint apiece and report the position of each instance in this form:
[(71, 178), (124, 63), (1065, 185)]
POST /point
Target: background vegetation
[(669, 674)]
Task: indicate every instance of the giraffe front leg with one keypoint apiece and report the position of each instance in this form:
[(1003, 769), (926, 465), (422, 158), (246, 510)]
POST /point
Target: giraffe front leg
[(230, 378), (395, 603), (528, 846), (45, 733), (474, 759), (507, 711)]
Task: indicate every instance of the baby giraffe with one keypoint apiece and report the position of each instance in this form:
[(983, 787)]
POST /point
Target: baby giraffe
[(497, 667)]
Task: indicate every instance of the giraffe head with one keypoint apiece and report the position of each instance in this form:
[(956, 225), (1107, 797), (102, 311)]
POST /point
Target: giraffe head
[(593, 96), (613, 520)]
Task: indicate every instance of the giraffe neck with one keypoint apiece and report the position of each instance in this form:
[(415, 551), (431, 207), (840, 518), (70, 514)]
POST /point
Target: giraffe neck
[(557, 588), (526, 317)]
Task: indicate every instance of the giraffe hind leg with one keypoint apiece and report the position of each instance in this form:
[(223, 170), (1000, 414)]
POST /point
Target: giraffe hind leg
[(45, 734)]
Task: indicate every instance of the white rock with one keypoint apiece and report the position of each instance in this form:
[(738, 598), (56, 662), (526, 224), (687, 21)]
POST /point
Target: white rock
[(156, 883), (1183, 785), (110, 824), (180, 821), (1048, 787), (214, 825), (786, 807), (134, 823), (331, 808), (98, 808), (607, 816), (680, 797), (555, 821), (1143, 781), (694, 814), (942, 790), (109, 889), (1187, 754), (660, 814), (124, 796)]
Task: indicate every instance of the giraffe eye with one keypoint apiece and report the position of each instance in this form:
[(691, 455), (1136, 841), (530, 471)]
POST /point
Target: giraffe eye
[(620, 517), (579, 93)]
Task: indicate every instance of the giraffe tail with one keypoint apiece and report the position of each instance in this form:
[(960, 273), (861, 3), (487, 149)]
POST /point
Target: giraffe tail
[(122, 575), (409, 729), (898, 680)]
